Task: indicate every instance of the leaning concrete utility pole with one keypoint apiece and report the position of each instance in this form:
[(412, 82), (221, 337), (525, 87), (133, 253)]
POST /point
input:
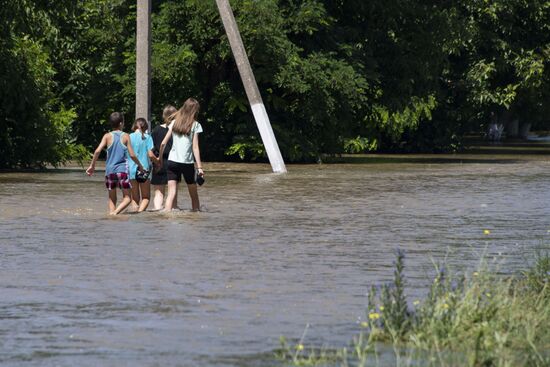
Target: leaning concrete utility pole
[(251, 87), (143, 60)]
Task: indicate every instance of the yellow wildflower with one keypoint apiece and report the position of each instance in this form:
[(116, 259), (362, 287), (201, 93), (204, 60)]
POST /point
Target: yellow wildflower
[(300, 347), (381, 308), (364, 324), (486, 231), (374, 315)]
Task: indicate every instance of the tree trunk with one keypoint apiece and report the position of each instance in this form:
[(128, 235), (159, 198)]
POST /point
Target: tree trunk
[(524, 130)]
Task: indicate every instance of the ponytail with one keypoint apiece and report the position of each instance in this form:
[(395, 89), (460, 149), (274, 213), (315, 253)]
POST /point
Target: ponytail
[(141, 124)]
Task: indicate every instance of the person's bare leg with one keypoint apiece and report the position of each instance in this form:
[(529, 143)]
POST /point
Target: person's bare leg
[(112, 201), (175, 205), (194, 194), (158, 196), (145, 189), (135, 194), (171, 195), (126, 200)]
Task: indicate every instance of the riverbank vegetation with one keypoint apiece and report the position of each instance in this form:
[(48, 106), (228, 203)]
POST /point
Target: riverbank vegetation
[(475, 319), (336, 76)]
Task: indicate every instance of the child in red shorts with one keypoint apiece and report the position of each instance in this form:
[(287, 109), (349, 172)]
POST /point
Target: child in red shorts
[(116, 165)]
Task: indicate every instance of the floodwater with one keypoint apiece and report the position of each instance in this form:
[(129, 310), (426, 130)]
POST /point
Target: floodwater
[(269, 255)]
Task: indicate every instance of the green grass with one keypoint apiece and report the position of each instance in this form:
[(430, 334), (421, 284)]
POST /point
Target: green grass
[(474, 319)]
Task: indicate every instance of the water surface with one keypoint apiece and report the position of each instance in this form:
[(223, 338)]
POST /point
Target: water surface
[(270, 254)]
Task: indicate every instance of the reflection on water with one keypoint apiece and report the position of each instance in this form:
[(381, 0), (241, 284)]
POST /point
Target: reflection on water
[(270, 254)]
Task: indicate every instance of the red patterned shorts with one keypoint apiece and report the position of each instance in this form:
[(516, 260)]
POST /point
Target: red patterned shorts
[(121, 180)]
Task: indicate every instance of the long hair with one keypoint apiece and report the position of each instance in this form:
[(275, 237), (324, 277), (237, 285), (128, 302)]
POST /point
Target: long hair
[(167, 113), (141, 124), (185, 117)]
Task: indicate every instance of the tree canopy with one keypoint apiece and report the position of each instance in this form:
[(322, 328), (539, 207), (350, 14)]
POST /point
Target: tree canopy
[(336, 76)]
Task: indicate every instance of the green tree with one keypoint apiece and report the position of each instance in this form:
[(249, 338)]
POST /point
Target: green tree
[(498, 61), (36, 124), (336, 76)]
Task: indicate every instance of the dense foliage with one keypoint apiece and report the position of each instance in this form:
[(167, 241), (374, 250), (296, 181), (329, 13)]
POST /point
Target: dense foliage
[(336, 76)]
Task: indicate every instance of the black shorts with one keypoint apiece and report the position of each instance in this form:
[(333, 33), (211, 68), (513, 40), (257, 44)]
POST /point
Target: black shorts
[(161, 176), (175, 170)]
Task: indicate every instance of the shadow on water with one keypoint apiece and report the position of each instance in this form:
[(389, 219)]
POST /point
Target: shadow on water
[(387, 159), (478, 152)]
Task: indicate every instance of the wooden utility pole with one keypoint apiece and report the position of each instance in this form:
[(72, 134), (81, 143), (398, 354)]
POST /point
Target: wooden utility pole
[(143, 60), (251, 87)]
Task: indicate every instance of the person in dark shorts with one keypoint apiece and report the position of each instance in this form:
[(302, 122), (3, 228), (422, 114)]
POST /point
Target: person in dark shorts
[(116, 167), (160, 178), (184, 156)]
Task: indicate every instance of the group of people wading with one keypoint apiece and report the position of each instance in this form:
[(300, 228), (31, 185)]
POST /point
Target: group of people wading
[(173, 150)]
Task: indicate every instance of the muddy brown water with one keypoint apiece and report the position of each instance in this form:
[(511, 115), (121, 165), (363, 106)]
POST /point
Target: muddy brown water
[(269, 255)]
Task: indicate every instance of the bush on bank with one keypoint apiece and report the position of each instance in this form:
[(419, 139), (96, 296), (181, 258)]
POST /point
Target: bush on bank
[(477, 319)]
